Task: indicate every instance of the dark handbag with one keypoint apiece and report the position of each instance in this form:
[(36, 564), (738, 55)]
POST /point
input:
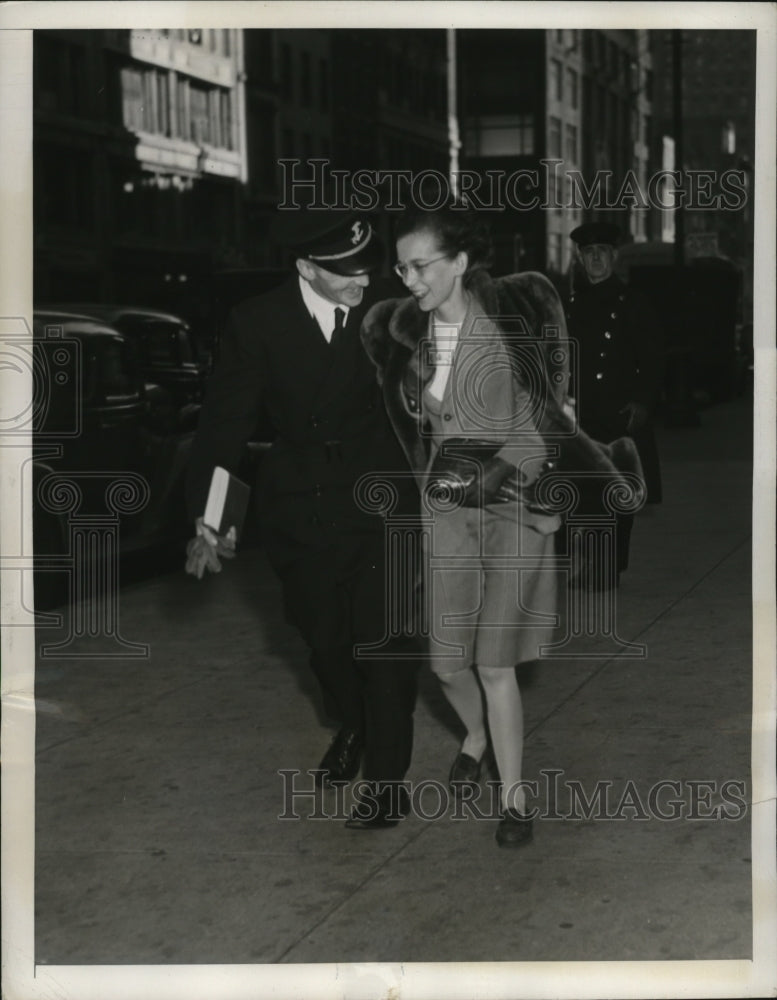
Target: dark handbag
[(468, 471)]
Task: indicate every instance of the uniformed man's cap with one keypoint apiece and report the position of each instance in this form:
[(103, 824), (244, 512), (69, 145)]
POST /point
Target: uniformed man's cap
[(596, 232), (342, 242)]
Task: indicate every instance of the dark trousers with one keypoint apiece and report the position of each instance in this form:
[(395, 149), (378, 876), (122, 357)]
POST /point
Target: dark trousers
[(336, 596)]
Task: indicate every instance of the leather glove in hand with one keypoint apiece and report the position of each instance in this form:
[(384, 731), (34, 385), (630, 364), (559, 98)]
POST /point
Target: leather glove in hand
[(472, 472), (203, 551)]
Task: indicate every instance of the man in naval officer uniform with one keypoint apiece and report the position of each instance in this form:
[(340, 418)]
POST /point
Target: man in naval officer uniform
[(297, 351), (619, 358)]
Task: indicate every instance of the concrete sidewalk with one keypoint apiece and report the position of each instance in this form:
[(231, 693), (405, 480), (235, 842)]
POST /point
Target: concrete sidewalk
[(158, 785)]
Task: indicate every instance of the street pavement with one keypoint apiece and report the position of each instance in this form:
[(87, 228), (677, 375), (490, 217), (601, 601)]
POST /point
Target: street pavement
[(158, 792)]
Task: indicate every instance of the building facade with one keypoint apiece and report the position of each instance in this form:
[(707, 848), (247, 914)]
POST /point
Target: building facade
[(718, 127), (139, 157), (564, 117)]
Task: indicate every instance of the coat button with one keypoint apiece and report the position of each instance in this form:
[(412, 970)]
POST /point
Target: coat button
[(603, 354), (600, 375), (613, 315), (607, 335), (447, 416)]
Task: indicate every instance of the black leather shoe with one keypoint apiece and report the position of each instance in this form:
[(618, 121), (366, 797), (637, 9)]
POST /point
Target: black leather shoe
[(342, 759), (380, 810), (514, 830), (465, 770)]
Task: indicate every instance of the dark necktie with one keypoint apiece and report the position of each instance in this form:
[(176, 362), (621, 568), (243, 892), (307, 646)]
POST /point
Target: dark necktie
[(339, 330)]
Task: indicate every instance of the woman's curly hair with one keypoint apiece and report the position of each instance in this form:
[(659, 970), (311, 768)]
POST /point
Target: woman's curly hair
[(457, 227)]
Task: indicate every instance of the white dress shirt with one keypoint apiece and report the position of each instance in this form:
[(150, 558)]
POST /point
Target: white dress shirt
[(321, 309)]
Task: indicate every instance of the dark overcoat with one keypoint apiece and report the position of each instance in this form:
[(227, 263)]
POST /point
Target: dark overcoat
[(618, 359), (325, 406)]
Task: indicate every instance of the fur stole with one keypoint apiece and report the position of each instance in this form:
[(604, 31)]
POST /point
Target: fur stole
[(528, 309)]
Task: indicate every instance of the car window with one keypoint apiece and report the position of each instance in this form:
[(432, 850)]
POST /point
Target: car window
[(117, 369), (185, 352), (160, 339)]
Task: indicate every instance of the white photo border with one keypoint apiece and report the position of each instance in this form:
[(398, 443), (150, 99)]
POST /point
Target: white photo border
[(22, 979)]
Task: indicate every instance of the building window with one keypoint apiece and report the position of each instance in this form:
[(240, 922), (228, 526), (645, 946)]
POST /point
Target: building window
[(649, 84), (199, 130), (571, 143), (306, 95), (613, 63), (556, 83), (145, 100), (226, 41), (169, 104), (195, 36), (554, 251), (182, 107), (572, 88), (629, 70), (323, 85), (554, 136), (729, 142), (287, 85), (601, 106), (227, 120), (133, 98), (500, 135), (262, 153), (215, 136)]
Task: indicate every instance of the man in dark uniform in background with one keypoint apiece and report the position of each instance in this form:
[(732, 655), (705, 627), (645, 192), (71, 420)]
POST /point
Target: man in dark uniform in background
[(618, 369), (297, 351)]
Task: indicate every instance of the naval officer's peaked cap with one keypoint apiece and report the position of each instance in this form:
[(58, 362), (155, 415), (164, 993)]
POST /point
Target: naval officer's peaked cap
[(342, 242), (596, 232)]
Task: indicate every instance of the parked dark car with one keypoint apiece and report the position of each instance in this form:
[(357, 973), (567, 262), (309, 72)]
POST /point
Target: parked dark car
[(166, 350), (107, 448)]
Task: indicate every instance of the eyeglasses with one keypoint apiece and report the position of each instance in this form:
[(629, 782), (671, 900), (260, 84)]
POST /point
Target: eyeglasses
[(403, 270)]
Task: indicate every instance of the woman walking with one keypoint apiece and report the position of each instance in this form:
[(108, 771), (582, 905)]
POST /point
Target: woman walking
[(473, 420)]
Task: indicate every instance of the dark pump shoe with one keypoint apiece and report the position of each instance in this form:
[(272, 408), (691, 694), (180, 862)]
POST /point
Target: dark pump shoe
[(514, 830), (342, 759), (465, 770), (379, 810)]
